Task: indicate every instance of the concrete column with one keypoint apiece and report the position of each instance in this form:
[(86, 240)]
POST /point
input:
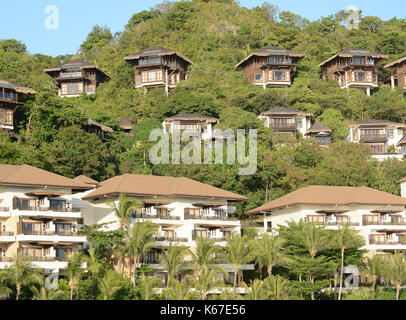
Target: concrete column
[(263, 79), (392, 82), (166, 83), (368, 91)]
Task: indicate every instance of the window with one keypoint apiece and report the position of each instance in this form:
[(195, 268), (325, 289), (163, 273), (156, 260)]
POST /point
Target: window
[(162, 212), (90, 89), (378, 238), (371, 219), (342, 219), (355, 134), (26, 204), (201, 233), (63, 228), (70, 74), (378, 148), (150, 60), (315, 219), (220, 214), (169, 234), (192, 213), (31, 252), (31, 228), (278, 123), (258, 77), (322, 139), (152, 76), (359, 76), (389, 133), (278, 75), (72, 88), (6, 117), (203, 128), (299, 122), (279, 60), (57, 205)]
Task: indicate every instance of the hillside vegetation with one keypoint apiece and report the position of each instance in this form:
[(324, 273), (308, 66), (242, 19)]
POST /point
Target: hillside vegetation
[(215, 35)]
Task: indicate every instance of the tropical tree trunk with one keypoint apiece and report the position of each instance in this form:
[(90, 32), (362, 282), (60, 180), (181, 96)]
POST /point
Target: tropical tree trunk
[(269, 270), (374, 282), (397, 291), (235, 278), (71, 292), (341, 274), (18, 288)]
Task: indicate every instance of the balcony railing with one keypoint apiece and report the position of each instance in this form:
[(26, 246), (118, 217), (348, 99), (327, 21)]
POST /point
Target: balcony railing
[(373, 240), (366, 222), (168, 217), (139, 215), (209, 217), (4, 209), (6, 233), (166, 238), (339, 223), (6, 259), (285, 127), (373, 138), (53, 233), (47, 209)]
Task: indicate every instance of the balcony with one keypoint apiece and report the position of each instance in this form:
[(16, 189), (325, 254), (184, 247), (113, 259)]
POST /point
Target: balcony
[(373, 138), (339, 223), (209, 217), (46, 209), (378, 241), (284, 127), (160, 237), (366, 222)]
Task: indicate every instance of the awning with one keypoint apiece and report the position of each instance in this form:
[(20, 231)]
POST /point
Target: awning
[(335, 211), (206, 205), (173, 227), (156, 202), (386, 211), (45, 194)]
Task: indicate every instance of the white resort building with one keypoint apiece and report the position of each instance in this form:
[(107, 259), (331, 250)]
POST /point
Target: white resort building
[(40, 217), (182, 209), (378, 216)]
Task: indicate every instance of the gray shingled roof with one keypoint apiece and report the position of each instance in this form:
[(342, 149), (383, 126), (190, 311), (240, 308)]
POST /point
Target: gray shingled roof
[(272, 50), (125, 124), (191, 116), (16, 87), (78, 64), (155, 51), (317, 127), (379, 122), (354, 52), (283, 110), (392, 64)]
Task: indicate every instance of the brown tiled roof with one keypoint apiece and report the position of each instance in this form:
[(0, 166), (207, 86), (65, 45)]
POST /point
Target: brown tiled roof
[(353, 52), (272, 50), (80, 64), (392, 64), (331, 196), (287, 111), (317, 127), (402, 141), (18, 88), (155, 51), (86, 180), (144, 185), (25, 175)]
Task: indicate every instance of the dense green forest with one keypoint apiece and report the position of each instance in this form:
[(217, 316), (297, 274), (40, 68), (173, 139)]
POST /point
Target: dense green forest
[(215, 35)]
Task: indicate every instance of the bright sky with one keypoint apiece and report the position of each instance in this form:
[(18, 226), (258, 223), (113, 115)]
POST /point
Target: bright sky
[(25, 20)]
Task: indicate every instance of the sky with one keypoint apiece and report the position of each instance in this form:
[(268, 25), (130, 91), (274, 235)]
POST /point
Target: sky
[(33, 21)]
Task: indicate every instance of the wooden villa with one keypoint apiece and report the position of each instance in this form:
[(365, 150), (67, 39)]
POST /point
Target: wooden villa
[(320, 133), (11, 95), (158, 67), (271, 66), (77, 77), (398, 74), (353, 68)]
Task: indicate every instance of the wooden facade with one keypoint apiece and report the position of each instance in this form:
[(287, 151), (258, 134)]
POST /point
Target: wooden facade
[(398, 74), (353, 68), (11, 95), (271, 67), (77, 77), (158, 67)]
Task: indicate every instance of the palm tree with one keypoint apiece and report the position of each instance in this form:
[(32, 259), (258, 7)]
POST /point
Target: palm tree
[(22, 273), (93, 264), (239, 251), (140, 242), (346, 238), (173, 260), (75, 271), (125, 208), (177, 291), (268, 251), (375, 269), (206, 281), (395, 270), (44, 294), (314, 238), (5, 291), (147, 286), (109, 284), (206, 255), (257, 291), (121, 252), (278, 287)]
